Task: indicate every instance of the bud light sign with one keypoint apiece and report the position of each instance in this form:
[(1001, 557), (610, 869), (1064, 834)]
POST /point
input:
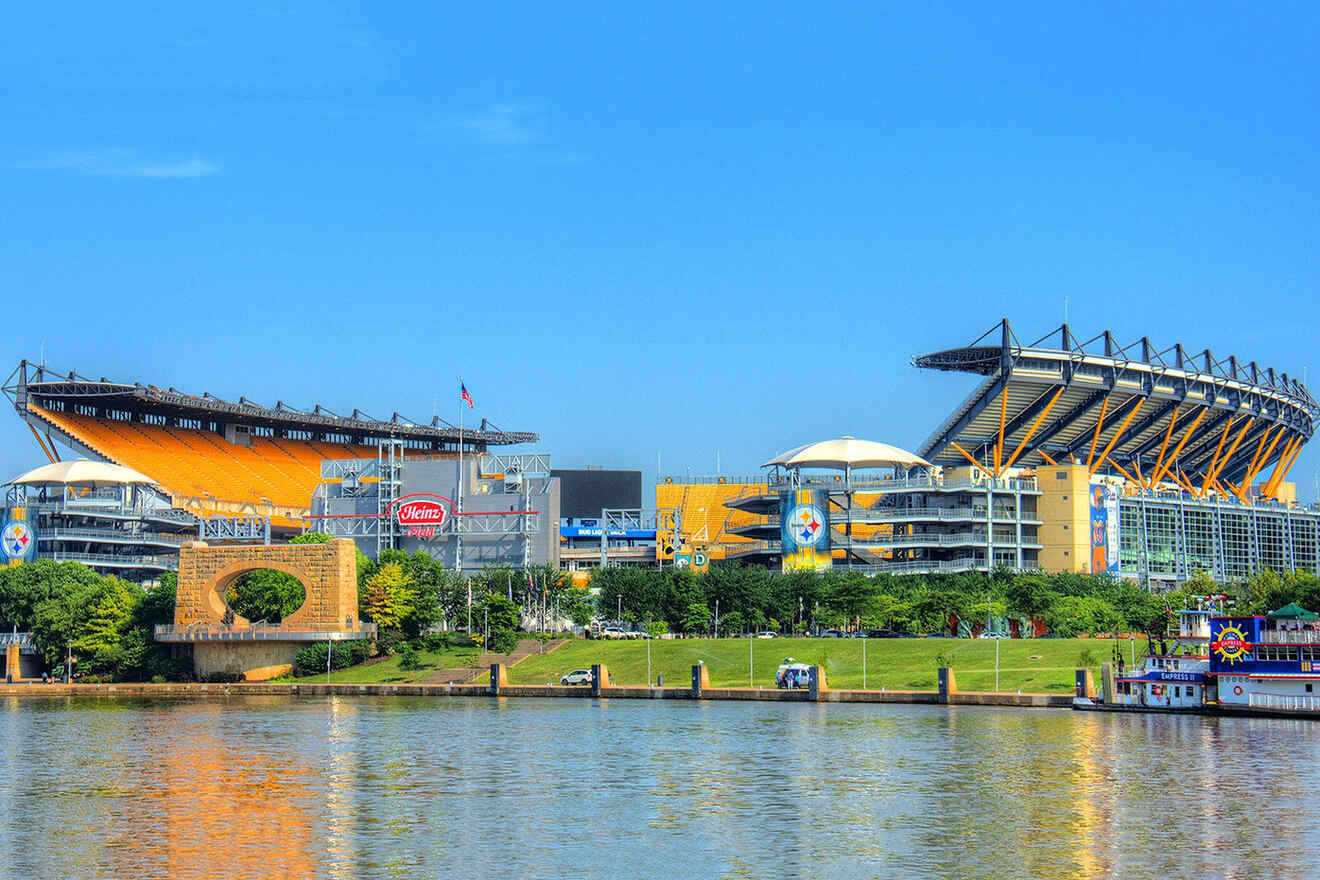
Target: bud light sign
[(423, 517)]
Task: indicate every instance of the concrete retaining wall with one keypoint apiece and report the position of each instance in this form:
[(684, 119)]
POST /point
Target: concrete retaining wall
[(483, 690)]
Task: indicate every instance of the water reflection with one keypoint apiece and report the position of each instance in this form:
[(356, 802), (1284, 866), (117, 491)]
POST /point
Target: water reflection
[(363, 787)]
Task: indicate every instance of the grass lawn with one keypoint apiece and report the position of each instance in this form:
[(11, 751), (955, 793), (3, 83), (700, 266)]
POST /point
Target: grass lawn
[(388, 672), (1032, 665)]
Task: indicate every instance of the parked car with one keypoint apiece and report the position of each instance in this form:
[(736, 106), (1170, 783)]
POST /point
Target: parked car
[(881, 634), (613, 633), (577, 676), (832, 634), (766, 634)]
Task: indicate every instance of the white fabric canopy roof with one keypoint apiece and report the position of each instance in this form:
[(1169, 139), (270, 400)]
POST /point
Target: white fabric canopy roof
[(82, 472), (847, 452)]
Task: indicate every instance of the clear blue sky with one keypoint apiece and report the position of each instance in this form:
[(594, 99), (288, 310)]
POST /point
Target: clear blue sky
[(637, 230)]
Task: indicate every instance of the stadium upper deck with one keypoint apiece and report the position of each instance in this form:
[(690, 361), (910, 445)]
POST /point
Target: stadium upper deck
[(214, 455), (1154, 417)]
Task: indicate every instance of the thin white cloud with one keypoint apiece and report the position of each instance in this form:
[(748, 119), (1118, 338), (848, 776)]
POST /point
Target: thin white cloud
[(125, 163), (505, 123)]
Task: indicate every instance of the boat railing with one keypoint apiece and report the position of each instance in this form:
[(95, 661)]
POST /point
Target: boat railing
[(1290, 637), (1286, 702)]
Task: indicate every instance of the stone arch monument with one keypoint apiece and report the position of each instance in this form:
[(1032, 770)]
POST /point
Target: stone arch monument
[(224, 643)]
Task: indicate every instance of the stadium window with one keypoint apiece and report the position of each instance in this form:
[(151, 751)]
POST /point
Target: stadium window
[(1060, 475)]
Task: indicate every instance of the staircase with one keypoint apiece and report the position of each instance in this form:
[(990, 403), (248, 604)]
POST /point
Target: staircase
[(466, 674)]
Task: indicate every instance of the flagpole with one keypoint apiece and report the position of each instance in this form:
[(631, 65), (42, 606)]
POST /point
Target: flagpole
[(458, 521)]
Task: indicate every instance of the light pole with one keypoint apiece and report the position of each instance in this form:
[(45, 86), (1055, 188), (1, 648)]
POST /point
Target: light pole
[(619, 614), (717, 618), (996, 664), (648, 661), (864, 641), (751, 651)]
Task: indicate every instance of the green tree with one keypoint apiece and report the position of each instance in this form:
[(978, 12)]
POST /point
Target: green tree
[(265, 594), (695, 619), (388, 597)]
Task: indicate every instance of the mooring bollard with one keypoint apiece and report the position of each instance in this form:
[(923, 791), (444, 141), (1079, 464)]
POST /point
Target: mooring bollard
[(600, 678), (948, 684), (499, 679), (816, 683), (700, 680)]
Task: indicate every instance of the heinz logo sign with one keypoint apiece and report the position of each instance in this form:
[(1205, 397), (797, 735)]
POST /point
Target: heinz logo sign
[(424, 512)]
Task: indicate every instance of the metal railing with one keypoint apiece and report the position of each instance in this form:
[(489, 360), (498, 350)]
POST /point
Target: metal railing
[(174, 540), (167, 563), (927, 566), (164, 514), (1286, 702), (943, 513), (921, 481), (262, 631), (1289, 637)]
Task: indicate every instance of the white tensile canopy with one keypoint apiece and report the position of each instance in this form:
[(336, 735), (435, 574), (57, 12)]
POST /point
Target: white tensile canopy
[(83, 473), (847, 453)]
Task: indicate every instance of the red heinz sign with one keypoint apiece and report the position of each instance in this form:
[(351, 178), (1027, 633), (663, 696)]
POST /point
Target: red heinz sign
[(423, 517)]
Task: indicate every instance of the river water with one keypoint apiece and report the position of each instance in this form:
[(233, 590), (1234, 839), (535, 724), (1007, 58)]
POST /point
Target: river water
[(430, 787)]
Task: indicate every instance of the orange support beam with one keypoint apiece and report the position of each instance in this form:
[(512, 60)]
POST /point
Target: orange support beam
[(1260, 466), (1042, 454), (1164, 447), (1251, 468), (1034, 425), (1003, 413), (42, 444), (1119, 433), (967, 455), (1183, 481), (1187, 435), (1228, 456), (1205, 484), (1281, 467), (1099, 425), (1118, 467), (1292, 457)]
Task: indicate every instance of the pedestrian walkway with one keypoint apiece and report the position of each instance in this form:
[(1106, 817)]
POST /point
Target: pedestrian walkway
[(465, 674)]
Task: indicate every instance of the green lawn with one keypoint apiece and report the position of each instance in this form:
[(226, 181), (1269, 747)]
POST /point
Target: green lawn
[(1032, 665), (388, 672)]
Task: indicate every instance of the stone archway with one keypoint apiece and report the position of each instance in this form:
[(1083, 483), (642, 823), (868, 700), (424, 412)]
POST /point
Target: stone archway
[(328, 573)]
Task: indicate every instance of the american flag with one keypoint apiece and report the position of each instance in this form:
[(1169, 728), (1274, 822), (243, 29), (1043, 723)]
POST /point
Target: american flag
[(464, 395)]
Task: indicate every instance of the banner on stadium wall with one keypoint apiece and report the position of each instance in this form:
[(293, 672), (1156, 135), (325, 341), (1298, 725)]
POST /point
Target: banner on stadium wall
[(18, 539), (1104, 529), (804, 531)]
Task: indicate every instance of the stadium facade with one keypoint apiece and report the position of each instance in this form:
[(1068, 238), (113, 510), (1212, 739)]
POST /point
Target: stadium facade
[(1069, 455)]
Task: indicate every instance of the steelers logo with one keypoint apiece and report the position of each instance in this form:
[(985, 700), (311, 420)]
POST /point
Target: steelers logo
[(806, 523), (1232, 644), (17, 538)]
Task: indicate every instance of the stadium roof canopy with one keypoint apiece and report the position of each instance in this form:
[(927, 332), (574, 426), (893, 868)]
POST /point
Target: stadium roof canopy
[(82, 472), (30, 383), (846, 452), (1152, 415)]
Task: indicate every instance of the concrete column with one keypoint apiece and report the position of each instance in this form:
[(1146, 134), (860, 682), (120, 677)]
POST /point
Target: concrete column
[(1107, 689), (600, 679), (13, 666), (816, 683), (948, 684), (1085, 683), (499, 678), (700, 680)]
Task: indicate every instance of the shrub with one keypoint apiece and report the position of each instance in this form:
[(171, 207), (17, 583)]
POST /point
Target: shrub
[(944, 658), (408, 658), (431, 642), (1087, 659), (502, 641), (388, 642)]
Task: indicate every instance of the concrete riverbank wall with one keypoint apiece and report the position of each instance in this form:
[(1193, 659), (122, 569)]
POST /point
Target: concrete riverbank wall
[(498, 687)]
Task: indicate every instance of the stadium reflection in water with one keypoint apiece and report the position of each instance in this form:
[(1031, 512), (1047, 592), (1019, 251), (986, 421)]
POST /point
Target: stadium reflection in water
[(346, 787)]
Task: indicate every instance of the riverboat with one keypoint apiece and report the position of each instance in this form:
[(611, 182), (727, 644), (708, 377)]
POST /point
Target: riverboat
[(1174, 672), (1267, 664)]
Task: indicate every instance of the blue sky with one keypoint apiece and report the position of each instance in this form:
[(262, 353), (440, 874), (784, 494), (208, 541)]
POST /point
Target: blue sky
[(675, 230)]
